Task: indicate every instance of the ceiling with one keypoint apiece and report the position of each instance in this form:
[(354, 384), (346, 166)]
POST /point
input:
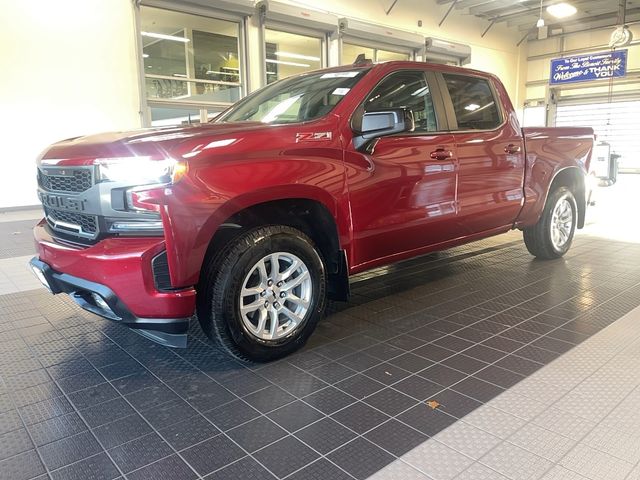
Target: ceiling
[(523, 14)]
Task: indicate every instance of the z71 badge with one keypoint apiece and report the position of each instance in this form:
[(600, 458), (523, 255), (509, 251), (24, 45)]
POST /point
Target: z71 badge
[(313, 136)]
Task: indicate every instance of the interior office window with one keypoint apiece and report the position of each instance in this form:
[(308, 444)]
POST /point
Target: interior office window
[(189, 57), (387, 56), (167, 115), (442, 60), (473, 102), (407, 89), (289, 54), (350, 52)]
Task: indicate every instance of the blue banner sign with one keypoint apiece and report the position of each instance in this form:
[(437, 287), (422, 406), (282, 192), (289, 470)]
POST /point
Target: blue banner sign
[(584, 68)]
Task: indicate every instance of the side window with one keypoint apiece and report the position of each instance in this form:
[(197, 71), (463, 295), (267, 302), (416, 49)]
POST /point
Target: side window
[(405, 90), (473, 102)]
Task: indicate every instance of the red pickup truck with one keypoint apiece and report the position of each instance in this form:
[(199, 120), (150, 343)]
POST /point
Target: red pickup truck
[(253, 220)]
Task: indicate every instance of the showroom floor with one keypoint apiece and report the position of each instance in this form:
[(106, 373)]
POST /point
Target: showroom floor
[(476, 363)]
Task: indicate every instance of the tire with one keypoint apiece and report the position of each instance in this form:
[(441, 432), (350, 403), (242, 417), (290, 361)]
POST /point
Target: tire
[(540, 239), (245, 263)]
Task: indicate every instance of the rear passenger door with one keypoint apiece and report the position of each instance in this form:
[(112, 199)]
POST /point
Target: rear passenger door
[(490, 152)]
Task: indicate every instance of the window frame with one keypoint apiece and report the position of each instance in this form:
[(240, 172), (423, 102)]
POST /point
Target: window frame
[(436, 97), (293, 30), (147, 103), (450, 110)]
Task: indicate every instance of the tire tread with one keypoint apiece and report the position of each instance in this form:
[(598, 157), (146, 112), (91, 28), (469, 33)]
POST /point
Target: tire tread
[(537, 238), (213, 284)]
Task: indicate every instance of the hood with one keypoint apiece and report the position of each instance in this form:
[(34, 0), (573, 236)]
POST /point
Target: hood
[(151, 142)]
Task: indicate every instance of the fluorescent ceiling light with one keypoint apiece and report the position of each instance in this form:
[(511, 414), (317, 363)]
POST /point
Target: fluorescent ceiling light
[(214, 72), (145, 55), (297, 56), (561, 10), (472, 107), (162, 36), (292, 64)]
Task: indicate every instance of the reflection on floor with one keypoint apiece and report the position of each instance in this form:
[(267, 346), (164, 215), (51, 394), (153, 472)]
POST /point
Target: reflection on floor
[(615, 212), (456, 365)]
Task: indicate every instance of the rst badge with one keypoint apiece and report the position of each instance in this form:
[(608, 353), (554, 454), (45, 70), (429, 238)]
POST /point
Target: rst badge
[(313, 136)]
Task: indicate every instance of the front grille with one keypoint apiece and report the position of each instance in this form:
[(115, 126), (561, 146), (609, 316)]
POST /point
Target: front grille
[(72, 222), (66, 180)]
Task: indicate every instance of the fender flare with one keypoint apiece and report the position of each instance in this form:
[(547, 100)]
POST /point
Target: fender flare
[(580, 201)]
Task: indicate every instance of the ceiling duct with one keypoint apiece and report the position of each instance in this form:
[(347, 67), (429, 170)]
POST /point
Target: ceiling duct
[(445, 48), (380, 34), (299, 16)]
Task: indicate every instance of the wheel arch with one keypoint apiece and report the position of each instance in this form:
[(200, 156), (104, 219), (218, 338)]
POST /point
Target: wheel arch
[(573, 178), (537, 193), (314, 214)]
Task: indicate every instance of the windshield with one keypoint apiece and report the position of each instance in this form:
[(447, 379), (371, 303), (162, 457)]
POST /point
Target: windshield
[(295, 99)]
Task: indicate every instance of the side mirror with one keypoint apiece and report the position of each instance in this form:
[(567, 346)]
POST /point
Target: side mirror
[(382, 123)]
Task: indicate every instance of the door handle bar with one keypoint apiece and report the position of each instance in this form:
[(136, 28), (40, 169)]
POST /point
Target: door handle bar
[(511, 148), (441, 154)]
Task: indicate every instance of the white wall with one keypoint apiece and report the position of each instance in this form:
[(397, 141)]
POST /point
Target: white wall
[(68, 68)]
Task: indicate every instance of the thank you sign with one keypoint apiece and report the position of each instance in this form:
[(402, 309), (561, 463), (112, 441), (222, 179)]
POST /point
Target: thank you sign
[(584, 68)]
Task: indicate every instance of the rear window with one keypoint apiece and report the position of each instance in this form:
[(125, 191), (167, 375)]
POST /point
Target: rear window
[(473, 102)]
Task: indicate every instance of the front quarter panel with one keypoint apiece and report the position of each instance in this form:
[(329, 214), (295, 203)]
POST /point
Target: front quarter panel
[(271, 165)]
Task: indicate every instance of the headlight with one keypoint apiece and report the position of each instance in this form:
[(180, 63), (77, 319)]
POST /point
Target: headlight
[(141, 170)]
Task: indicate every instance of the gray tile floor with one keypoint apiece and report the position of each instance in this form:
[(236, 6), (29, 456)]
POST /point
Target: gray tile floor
[(476, 363)]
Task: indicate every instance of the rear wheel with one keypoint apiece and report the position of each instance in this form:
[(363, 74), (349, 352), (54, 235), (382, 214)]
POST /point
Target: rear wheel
[(551, 237), (262, 296)]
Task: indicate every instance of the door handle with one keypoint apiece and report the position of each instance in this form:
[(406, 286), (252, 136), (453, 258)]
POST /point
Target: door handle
[(441, 154), (511, 148)]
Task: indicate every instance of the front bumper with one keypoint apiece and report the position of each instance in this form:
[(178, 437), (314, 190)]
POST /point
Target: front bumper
[(113, 279)]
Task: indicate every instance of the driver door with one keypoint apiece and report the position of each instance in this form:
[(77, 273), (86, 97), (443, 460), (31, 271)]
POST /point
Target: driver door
[(403, 187)]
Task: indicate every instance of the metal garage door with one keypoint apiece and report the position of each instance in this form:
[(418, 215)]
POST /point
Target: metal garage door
[(617, 123)]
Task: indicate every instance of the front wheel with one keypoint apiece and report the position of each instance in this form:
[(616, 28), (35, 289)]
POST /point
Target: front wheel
[(551, 237), (262, 296)]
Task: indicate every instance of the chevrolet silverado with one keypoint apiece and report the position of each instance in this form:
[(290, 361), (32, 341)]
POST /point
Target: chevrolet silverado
[(252, 221)]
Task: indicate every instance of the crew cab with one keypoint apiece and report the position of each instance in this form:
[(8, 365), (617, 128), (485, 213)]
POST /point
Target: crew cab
[(252, 221)]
